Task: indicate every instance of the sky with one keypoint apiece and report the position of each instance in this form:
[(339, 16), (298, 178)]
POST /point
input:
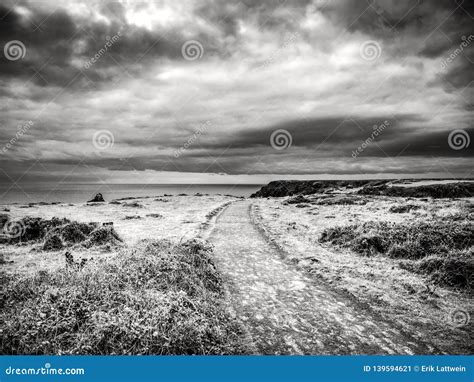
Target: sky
[(234, 91)]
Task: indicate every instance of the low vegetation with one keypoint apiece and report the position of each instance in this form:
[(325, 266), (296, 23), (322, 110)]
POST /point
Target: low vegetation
[(441, 249), (154, 298), (327, 200), (451, 190), (403, 208), (55, 234), (387, 187)]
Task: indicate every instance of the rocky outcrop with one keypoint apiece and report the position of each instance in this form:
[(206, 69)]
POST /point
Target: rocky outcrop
[(281, 188), (97, 198)]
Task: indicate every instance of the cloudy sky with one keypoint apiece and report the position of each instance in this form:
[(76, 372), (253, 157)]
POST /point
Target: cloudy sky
[(234, 91)]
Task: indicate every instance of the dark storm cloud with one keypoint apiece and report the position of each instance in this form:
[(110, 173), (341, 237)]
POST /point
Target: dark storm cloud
[(386, 19), (266, 65), (311, 132), (429, 144), (57, 46), (427, 28), (47, 46)]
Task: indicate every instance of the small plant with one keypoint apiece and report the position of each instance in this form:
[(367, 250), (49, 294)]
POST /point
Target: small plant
[(403, 208)]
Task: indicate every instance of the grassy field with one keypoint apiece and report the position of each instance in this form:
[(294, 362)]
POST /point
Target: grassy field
[(153, 298), (440, 249), (86, 279), (73, 283), (408, 259)]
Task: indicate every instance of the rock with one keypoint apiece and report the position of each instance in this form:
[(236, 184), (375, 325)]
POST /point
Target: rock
[(97, 198)]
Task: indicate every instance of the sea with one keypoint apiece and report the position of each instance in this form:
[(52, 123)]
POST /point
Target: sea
[(80, 193)]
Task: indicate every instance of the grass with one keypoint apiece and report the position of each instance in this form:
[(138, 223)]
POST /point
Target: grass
[(32, 229), (441, 249), (452, 190), (454, 270), (154, 298), (60, 233), (403, 208), (327, 200)]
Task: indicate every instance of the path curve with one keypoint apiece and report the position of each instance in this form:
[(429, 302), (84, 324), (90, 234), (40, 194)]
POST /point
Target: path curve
[(285, 312)]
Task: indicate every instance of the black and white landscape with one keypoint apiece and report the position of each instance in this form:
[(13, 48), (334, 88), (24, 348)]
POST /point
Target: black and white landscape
[(238, 177)]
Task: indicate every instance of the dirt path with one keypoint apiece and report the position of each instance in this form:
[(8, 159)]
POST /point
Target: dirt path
[(283, 310)]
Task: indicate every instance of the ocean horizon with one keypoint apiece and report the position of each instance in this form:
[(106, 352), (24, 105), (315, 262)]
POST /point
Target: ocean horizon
[(82, 192)]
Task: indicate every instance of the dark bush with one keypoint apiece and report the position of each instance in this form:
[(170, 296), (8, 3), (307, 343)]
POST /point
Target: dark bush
[(53, 242), (105, 235), (74, 232), (453, 270), (403, 208), (435, 248)]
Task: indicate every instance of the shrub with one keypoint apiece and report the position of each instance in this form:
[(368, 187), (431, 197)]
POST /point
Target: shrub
[(152, 299), (455, 270), (3, 219), (341, 200), (157, 216), (297, 200), (35, 228), (105, 235), (432, 248), (74, 232), (53, 243), (403, 208), (402, 240), (133, 204)]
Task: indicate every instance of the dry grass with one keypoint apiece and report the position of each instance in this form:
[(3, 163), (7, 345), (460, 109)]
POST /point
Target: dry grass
[(154, 298), (403, 208), (441, 249), (56, 234)]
